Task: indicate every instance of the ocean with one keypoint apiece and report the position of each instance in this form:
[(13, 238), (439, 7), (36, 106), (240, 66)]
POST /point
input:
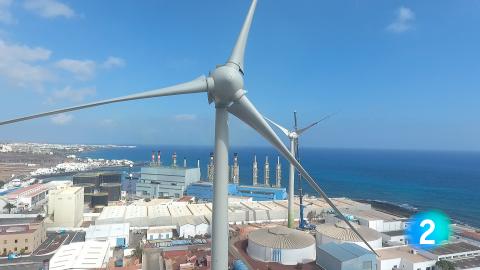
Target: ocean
[(447, 181)]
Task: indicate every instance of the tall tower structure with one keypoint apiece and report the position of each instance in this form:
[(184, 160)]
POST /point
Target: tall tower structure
[(211, 168), (153, 157), (184, 162), (235, 170), (278, 173), (174, 159), (159, 161), (255, 171), (266, 174)]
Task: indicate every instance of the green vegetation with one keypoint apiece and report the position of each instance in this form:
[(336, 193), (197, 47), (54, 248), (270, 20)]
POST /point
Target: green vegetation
[(445, 265), (9, 207)]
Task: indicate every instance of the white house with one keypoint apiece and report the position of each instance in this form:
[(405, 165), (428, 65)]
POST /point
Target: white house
[(159, 233)]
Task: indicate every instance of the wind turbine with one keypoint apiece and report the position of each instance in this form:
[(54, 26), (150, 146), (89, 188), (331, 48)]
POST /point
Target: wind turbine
[(224, 87), (293, 137)]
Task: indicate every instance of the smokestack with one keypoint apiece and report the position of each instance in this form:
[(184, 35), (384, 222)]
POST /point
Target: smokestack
[(198, 163), (153, 157), (278, 175), (174, 158), (255, 170), (235, 169), (184, 162), (159, 154), (211, 168), (266, 174)]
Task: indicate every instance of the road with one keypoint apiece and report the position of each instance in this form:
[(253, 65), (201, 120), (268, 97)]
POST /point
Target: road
[(44, 252)]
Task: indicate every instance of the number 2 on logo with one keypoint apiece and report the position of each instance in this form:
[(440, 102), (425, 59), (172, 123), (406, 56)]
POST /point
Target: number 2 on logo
[(431, 228)]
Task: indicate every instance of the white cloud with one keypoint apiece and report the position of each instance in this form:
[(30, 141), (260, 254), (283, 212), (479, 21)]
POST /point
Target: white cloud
[(62, 119), (403, 20), (73, 95), (81, 69), (185, 117), (22, 66), (49, 8), (113, 62), (5, 14)]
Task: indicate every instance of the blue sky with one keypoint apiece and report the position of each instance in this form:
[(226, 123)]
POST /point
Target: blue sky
[(401, 74)]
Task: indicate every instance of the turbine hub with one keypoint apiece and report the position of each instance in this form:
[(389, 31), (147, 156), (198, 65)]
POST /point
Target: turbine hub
[(227, 84)]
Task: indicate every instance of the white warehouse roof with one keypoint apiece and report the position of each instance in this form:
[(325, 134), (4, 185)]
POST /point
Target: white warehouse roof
[(108, 230), (81, 255)]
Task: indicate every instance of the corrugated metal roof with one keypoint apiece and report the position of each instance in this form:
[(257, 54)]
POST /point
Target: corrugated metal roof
[(281, 237), (341, 231), (345, 251)]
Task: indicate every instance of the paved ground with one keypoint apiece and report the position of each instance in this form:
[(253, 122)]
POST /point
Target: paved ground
[(44, 252)]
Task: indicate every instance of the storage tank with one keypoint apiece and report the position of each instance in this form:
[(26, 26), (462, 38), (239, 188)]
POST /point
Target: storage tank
[(282, 245), (340, 232), (98, 199), (112, 189)]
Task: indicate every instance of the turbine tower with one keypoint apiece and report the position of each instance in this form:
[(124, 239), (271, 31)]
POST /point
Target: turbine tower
[(293, 136), (255, 171), (225, 88), (266, 172)]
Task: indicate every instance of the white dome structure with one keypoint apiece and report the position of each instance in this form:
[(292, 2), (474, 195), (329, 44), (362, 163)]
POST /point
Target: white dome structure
[(342, 233), (282, 245)]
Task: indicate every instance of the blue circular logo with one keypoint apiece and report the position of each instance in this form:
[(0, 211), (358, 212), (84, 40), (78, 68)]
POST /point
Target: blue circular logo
[(427, 230)]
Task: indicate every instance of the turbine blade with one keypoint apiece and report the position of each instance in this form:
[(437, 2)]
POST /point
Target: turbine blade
[(238, 51), (302, 130), (244, 110), (196, 86), (284, 130)]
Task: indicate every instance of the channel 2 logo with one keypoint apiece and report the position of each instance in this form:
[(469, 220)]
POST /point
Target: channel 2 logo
[(427, 230)]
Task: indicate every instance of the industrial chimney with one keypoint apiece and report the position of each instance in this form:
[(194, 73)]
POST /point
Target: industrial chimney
[(153, 157), (266, 174), (198, 163), (211, 168), (174, 159), (255, 170), (159, 154), (278, 175), (235, 169)]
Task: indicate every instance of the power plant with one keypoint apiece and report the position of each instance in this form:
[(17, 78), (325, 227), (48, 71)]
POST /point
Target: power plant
[(225, 87)]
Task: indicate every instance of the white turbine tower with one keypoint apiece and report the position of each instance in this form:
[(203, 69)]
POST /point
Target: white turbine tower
[(224, 87), (293, 137)]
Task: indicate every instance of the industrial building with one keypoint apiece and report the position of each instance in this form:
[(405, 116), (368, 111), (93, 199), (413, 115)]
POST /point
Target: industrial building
[(452, 251), (191, 226), (118, 235), (97, 178), (81, 255), (282, 245), (340, 232), (159, 233), (345, 256), (21, 235), (379, 221), (204, 191), (65, 207), (403, 257), (167, 212), (165, 181), (28, 198)]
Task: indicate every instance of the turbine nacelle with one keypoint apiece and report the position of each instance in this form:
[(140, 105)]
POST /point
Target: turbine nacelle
[(225, 85)]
